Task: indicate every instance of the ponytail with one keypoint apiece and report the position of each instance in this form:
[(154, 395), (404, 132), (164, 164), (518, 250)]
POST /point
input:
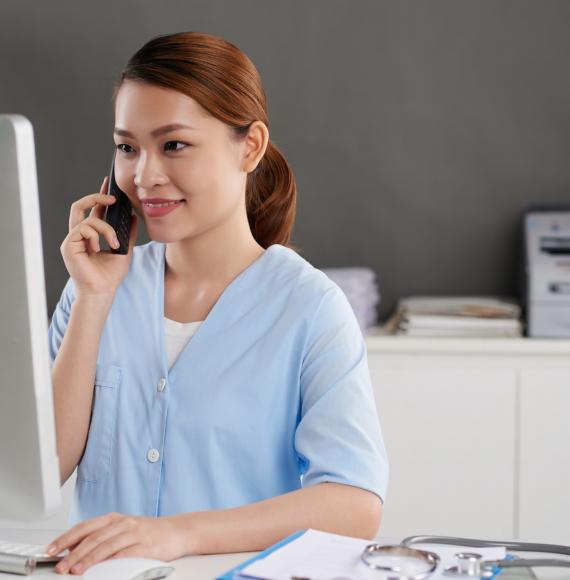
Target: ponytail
[(271, 199)]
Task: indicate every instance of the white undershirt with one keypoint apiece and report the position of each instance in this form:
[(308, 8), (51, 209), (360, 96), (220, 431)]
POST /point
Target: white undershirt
[(178, 335)]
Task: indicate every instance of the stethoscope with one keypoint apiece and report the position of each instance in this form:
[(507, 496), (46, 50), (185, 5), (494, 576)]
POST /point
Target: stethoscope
[(468, 564)]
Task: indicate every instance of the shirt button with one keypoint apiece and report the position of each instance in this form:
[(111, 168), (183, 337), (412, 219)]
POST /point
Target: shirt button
[(161, 385), (153, 455)]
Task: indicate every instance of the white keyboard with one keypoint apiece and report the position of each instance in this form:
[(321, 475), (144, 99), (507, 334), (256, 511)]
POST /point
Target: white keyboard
[(36, 552)]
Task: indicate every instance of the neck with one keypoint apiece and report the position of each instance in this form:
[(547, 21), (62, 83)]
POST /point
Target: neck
[(214, 258)]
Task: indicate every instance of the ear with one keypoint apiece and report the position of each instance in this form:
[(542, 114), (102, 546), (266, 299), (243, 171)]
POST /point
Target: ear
[(255, 145)]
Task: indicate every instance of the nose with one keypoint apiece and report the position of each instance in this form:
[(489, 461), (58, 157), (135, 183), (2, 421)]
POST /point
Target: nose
[(149, 173)]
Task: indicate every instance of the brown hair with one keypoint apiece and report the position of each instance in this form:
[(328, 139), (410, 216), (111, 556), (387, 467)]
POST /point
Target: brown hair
[(224, 81)]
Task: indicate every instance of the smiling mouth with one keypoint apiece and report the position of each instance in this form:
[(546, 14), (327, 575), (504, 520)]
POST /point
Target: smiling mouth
[(158, 209), (165, 204)]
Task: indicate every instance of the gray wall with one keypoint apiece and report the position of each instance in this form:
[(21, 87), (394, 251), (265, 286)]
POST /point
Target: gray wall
[(418, 131)]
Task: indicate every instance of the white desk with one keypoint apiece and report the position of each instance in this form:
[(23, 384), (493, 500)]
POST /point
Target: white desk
[(199, 567)]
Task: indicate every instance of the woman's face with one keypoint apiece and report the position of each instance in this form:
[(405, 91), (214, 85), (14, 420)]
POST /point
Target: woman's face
[(199, 167)]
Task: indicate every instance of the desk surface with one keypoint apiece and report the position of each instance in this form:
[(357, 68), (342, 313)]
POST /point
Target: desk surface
[(195, 567), (203, 567)]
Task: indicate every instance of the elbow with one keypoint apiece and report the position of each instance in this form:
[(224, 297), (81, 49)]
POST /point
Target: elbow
[(66, 470), (371, 517), (64, 475), (361, 513)]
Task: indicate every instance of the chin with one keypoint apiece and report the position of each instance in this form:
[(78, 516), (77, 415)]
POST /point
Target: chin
[(163, 237), (167, 235)]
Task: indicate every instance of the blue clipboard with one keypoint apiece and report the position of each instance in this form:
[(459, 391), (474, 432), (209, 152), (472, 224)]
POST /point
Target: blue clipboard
[(231, 574)]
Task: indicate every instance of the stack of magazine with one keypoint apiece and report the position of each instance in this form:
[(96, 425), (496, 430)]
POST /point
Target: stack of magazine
[(361, 290), (451, 316)]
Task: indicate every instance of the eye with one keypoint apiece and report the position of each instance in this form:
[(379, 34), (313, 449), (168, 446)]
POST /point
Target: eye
[(120, 145), (170, 143)]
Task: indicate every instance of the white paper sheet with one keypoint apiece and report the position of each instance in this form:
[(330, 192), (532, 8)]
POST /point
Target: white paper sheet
[(321, 556)]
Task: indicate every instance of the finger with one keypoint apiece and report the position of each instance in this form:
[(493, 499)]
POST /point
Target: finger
[(97, 210), (88, 545), (134, 551), (103, 189), (79, 207), (83, 237), (138, 550), (78, 532), (104, 229), (104, 185), (103, 551)]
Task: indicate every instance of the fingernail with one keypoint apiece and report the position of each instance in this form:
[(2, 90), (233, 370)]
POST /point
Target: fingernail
[(61, 568), (116, 243), (51, 549), (77, 569)]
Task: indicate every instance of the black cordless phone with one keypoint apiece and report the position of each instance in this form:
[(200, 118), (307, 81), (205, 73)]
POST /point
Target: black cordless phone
[(118, 215)]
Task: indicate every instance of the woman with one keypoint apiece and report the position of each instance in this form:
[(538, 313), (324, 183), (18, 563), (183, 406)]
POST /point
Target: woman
[(264, 422)]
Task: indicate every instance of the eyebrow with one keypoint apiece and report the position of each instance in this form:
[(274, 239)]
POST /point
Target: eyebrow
[(156, 132)]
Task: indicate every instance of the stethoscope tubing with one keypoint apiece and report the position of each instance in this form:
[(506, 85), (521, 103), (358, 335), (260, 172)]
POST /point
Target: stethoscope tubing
[(473, 543)]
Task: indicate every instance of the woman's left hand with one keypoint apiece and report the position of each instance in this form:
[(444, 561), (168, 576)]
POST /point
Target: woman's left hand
[(119, 536)]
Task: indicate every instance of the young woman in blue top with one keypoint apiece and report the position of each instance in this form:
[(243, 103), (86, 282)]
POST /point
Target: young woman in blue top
[(264, 422)]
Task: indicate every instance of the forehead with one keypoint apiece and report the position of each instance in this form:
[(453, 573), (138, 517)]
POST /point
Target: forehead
[(141, 107)]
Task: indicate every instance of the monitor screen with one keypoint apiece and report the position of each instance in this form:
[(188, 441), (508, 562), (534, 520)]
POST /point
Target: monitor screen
[(29, 477)]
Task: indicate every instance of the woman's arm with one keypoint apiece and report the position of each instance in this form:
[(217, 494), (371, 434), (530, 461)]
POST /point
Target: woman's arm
[(96, 276), (331, 507), (73, 376)]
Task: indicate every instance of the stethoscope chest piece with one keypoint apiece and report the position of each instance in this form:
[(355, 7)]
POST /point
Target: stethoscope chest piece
[(393, 559), (469, 565)]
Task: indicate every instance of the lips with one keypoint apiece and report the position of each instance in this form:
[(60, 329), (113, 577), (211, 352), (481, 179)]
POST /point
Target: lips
[(159, 206), (158, 200)]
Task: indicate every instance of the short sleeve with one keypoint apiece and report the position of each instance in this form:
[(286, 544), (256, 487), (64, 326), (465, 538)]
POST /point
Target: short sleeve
[(59, 320), (338, 438)]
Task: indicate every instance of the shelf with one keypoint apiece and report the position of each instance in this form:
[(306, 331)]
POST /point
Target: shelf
[(378, 341)]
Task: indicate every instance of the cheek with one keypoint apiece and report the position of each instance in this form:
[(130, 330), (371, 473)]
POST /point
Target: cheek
[(192, 179), (125, 181), (210, 172)]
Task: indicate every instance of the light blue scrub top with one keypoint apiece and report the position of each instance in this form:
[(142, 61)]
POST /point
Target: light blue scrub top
[(271, 394)]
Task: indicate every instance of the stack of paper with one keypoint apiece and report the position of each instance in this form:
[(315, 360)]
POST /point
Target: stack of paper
[(361, 289), (473, 316)]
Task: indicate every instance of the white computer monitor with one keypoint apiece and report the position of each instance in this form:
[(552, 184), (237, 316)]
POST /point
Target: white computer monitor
[(29, 467)]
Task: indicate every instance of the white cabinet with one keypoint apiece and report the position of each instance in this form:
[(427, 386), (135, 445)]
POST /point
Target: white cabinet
[(545, 455), (478, 436), (450, 436)]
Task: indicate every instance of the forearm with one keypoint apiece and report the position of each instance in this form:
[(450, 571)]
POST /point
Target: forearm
[(73, 377), (336, 508)]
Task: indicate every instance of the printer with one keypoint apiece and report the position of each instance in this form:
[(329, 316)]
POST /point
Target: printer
[(547, 284)]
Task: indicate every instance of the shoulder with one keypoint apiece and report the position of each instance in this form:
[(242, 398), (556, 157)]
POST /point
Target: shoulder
[(286, 267), (305, 284)]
